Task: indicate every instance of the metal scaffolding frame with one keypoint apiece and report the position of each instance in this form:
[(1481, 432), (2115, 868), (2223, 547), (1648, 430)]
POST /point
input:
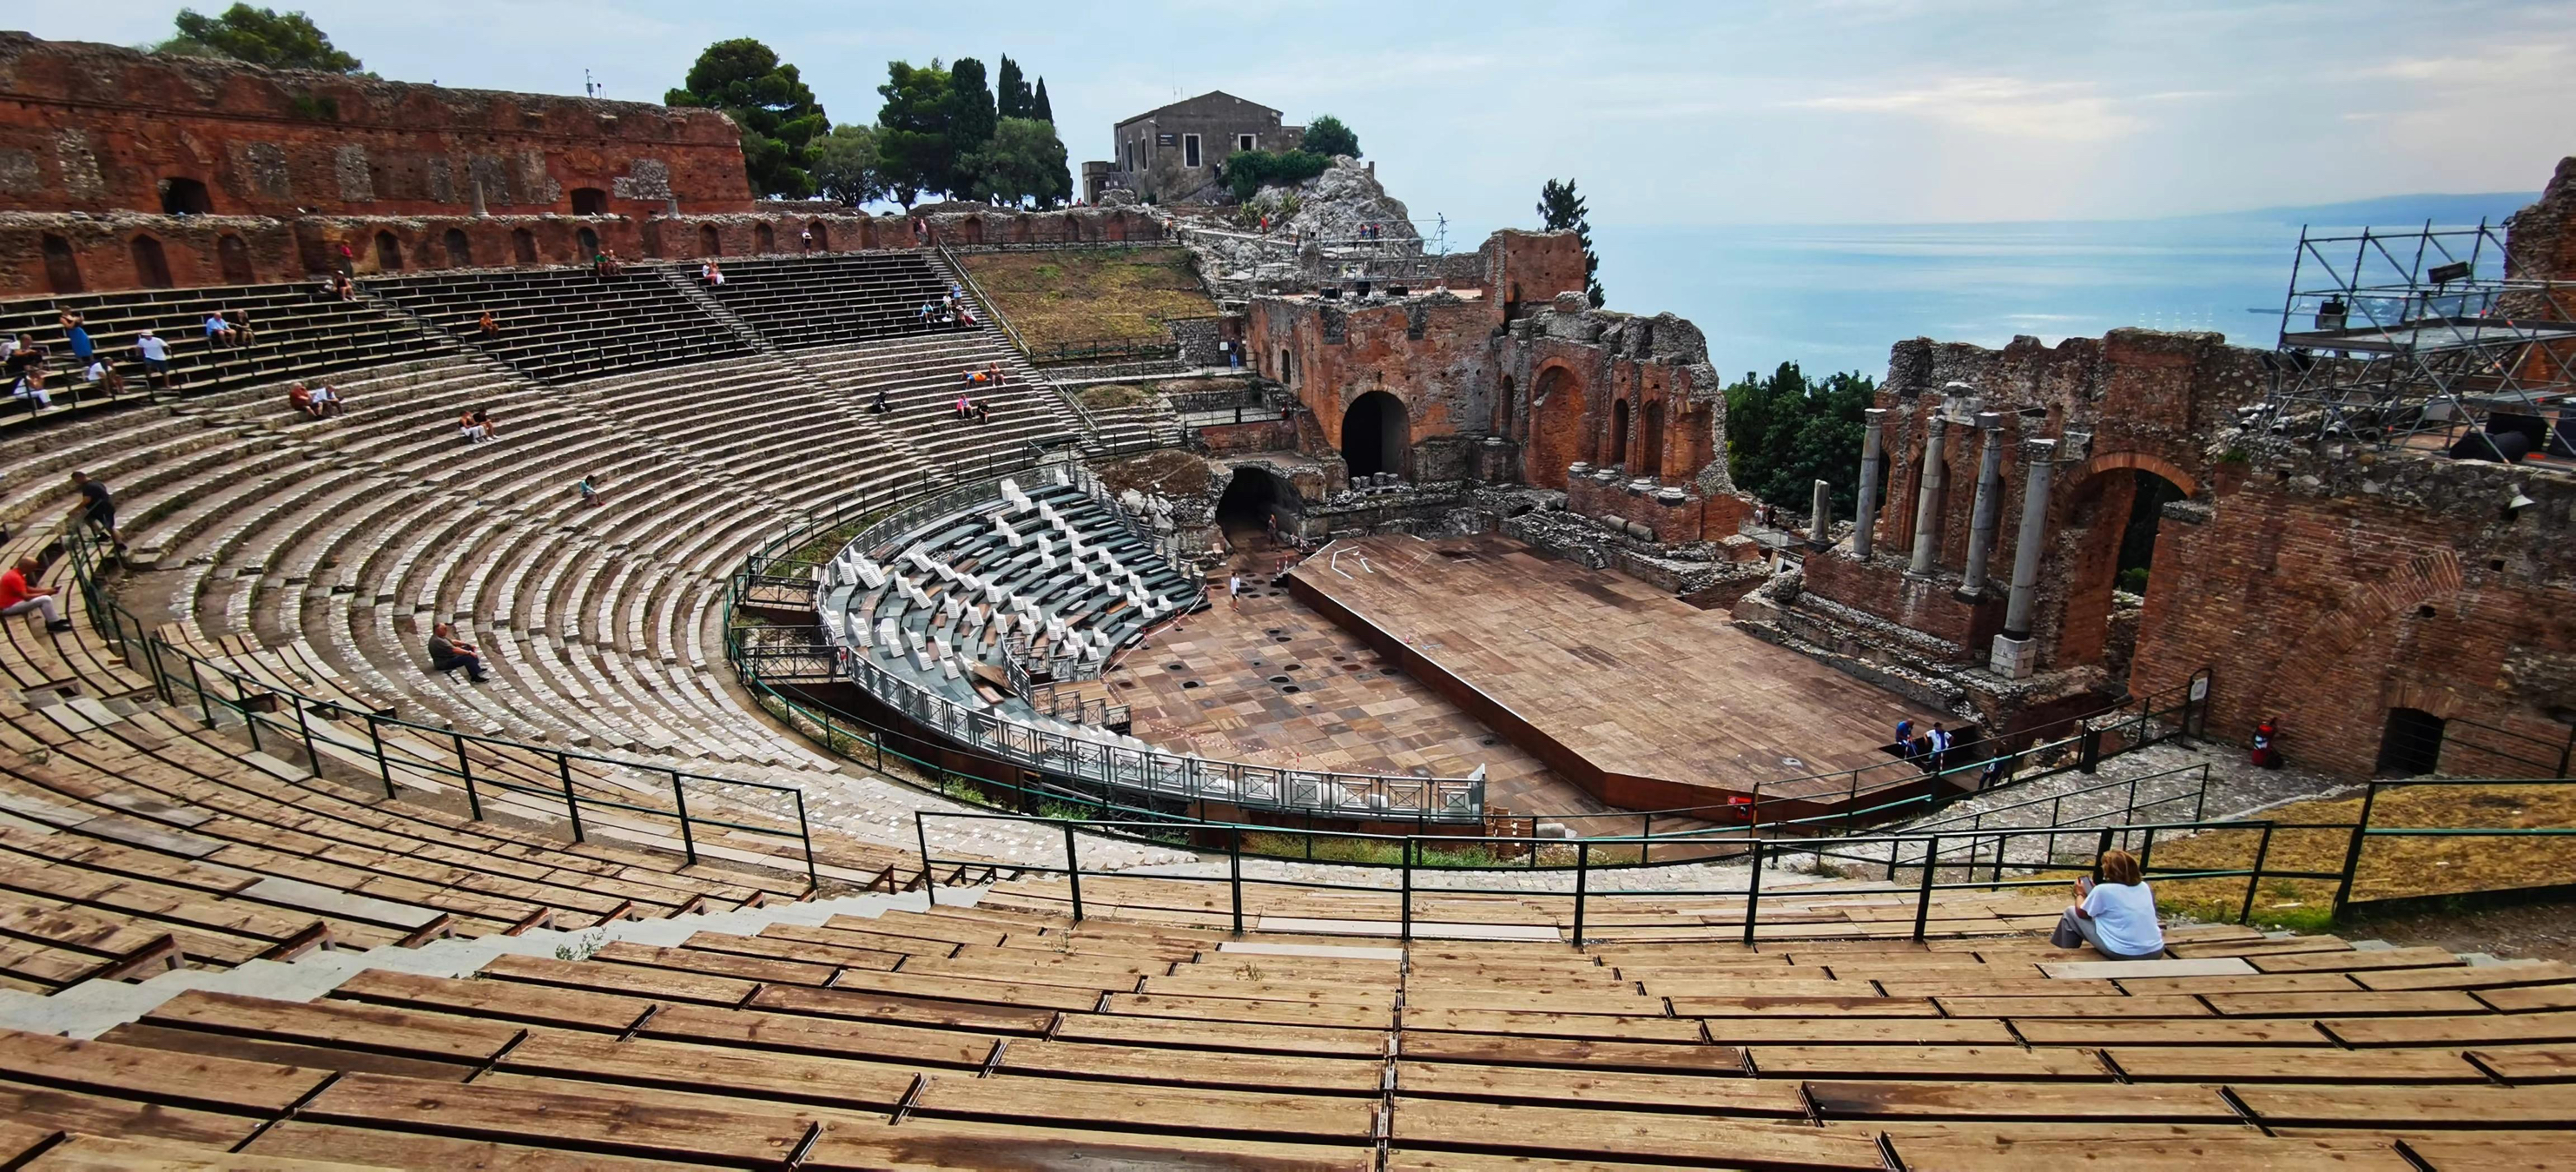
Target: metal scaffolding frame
[(2424, 337)]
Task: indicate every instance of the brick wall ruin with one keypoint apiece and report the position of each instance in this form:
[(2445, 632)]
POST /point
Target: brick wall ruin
[(97, 128)]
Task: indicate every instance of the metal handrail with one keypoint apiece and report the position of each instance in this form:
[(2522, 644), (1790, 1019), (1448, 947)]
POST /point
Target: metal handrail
[(165, 661)]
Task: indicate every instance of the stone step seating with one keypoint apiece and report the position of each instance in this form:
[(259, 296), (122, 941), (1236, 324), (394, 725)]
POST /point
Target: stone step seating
[(132, 839), (836, 298), (602, 620), (1002, 1035), (566, 323), (921, 379), (1149, 424), (293, 335)]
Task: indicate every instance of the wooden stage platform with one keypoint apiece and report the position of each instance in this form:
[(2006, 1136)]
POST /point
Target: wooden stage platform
[(1638, 697)]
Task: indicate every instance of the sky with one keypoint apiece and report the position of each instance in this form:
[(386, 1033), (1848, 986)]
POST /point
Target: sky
[(1695, 113)]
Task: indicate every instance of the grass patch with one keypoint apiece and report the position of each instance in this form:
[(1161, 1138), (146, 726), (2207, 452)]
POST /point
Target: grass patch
[(2390, 867), (1089, 294), (1108, 395)]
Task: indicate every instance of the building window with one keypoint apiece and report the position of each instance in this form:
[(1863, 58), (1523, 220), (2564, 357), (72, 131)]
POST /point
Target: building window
[(1189, 150), (1244, 142), (589, 201)]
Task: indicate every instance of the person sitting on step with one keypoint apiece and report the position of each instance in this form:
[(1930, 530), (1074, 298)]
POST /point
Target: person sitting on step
[(17, 597), (327, 400), (446, 654), (2116, 917), (302, 400)]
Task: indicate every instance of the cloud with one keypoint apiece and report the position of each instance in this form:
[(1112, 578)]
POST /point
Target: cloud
[(2006, 106)]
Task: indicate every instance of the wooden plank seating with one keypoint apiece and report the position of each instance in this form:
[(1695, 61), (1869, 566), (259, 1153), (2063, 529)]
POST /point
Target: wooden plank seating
[(702, 1052)]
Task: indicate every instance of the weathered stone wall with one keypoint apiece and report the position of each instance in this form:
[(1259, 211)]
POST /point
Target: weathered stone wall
[(2131, 400), (2327, 591), (98, 128)]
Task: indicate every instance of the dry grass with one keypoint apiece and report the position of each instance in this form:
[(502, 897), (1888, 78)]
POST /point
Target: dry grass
[(1108, 395), (1088, 294), (2390, 867)]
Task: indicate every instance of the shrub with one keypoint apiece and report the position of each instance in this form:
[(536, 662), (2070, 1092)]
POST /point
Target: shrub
[(1249, 171)]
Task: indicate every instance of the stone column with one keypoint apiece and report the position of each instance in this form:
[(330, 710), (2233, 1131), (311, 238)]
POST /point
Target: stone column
[(1820, 520), (1990, 489), (1865, 514), (1927, 497), (2015, 656)]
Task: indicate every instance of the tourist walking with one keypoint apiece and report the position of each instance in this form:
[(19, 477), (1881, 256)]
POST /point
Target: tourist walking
[(156, 358), (97, 507)]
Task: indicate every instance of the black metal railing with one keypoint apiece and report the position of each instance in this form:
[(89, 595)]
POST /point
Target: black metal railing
[(327, 729)]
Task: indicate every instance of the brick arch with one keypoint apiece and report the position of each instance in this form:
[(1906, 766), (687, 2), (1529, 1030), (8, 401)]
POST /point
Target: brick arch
[(2428, 577), (1556, 419), (2143, 462)]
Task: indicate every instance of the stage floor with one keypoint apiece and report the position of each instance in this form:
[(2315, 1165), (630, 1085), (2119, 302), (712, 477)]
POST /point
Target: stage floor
[(1217, 684), (1608, 673)]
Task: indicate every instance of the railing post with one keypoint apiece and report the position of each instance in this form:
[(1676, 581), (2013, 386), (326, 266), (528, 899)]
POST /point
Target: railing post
[(1752, 893), (2088, 751), (680, 802), (303, 728), (241, 704), (161, 679), (1234, 873), (376, 741), (1582, 873), (921, 832), (2101, 846), (805, 831), (1923, 891), (1073, 872), (465, 769), (1408, 891), (563, 768), (2352, 852), (2262, 851), (197, 684)]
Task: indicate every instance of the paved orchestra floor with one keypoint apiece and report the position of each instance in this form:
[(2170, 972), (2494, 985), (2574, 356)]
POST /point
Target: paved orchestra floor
[(1617, 672)]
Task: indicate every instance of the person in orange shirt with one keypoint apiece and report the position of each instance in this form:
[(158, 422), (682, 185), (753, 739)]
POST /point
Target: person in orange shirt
[(17, 597)]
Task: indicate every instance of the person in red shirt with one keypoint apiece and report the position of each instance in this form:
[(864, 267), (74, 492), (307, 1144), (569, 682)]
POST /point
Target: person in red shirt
[(17, 597)]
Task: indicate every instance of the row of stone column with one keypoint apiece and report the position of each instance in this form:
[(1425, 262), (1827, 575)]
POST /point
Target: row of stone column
[(2038, 459)]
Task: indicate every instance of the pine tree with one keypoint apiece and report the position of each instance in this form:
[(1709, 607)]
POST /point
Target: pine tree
[(1039, 107), (1561, 210), (765, 97), (913, 155)]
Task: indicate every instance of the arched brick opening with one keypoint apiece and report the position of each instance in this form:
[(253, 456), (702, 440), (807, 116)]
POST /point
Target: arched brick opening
[(185, 197), (2111, 520), (710, 241), (1614, 447), (1556, 436), (151, 265), (389, 252), (523, 245), (1650, 441), (764, 238), (586, 242), (233, 257), (1377, 433), (822, 235), (62, 267), (1253, 501), (460, 251)]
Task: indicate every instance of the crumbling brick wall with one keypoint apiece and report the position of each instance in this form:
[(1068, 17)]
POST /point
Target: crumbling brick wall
[(2326, 591), (2131, 401), (97, 128)]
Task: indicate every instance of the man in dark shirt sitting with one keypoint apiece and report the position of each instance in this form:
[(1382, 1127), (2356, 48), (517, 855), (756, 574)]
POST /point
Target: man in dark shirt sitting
[(446, 654)]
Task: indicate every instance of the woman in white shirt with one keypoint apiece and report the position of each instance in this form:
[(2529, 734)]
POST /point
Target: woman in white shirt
[(2116, 916)]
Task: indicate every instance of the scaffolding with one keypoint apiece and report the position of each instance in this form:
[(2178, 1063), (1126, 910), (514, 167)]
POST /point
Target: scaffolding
[(2425, 338)]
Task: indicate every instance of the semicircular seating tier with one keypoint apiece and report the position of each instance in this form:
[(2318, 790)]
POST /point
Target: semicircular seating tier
[(312, 556), (988, 613)]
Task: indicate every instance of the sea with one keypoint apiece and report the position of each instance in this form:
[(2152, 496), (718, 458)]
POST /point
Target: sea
[(1835, 297)]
